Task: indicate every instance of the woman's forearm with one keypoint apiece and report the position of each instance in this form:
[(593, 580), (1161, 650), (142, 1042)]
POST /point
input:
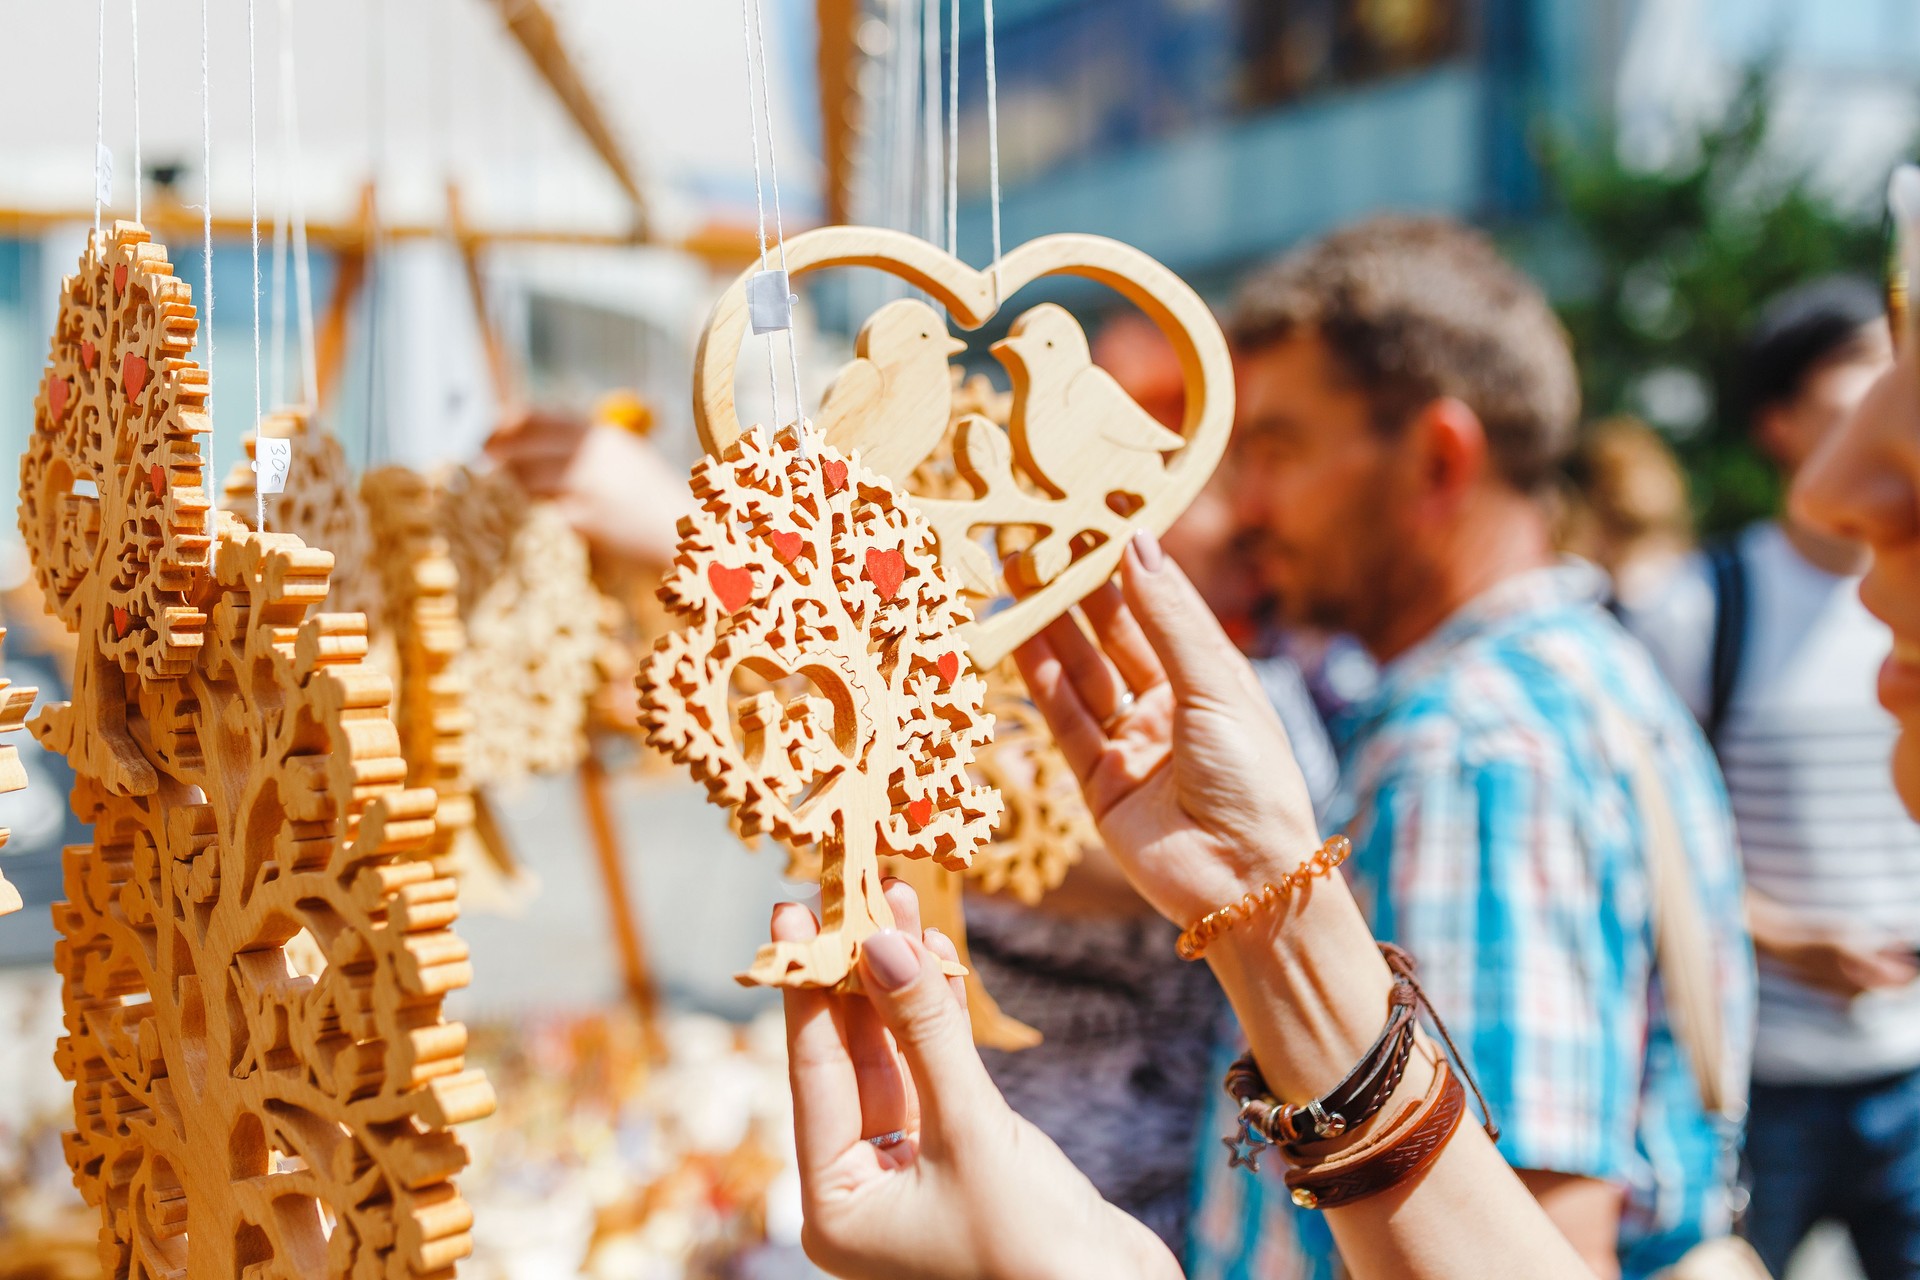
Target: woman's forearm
[(1310, 988)]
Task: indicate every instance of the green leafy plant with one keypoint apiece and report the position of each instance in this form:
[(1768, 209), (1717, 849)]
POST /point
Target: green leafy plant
[(1674, 265)]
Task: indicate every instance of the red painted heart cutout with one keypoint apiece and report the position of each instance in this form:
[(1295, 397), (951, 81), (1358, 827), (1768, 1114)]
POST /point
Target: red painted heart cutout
[(121, 621), (89, 354), (949, 667), (835, 471), (120, 278), (886, 570), (734, 587), (786, 546), (133, 373), (157, 477), (57, 391), (920, 813)]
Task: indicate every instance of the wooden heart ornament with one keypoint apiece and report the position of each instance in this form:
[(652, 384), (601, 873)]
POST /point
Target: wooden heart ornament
[(1081, 465)]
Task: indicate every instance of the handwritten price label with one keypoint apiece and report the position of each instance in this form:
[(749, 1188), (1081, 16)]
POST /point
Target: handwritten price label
[(272, 460)]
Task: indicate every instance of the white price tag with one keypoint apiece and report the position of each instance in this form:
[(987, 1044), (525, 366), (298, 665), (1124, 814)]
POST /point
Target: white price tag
[(103, 174), (272, 460), (769, 305)]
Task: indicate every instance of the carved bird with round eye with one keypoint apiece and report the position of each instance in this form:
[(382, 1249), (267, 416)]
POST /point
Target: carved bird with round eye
[(1070, 418), (893, 402)]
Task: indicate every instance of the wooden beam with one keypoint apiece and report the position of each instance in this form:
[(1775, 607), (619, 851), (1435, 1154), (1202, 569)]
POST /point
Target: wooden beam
[(839, 75), (727, 245), (538, 35)]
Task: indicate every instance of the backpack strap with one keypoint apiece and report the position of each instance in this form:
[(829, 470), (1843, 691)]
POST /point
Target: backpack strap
[(1727, 574)]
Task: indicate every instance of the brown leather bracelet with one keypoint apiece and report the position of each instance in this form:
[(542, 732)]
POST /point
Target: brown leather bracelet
[(1408, 1144)]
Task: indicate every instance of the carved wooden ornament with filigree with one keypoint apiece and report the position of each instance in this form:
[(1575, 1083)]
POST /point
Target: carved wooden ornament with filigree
[(321, 506), (803, 568), (535, 624), (234, 757)]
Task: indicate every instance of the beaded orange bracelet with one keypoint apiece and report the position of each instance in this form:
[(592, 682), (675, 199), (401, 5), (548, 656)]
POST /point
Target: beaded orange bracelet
[(1201, 934)]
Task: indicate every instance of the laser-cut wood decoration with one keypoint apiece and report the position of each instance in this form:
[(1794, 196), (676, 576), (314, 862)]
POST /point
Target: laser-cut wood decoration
[(535, 625), (14, 705), (421, 618), (1081, 465), (321, 505), (1046, 825), (801, 567), (246, 793)]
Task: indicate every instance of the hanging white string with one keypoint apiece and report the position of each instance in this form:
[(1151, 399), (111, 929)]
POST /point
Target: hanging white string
[(759, 194), (779, 228), (904, 53), (253, 207), (930, 115), (302, 268), (953, 128), (133, 22), (206, 201), (277, 341), (993, 149), (100, 126)]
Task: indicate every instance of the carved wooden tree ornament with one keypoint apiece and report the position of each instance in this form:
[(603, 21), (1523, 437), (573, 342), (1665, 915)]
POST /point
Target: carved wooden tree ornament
[(14, 705), (244, 784), (805, 569), (1081, 467)]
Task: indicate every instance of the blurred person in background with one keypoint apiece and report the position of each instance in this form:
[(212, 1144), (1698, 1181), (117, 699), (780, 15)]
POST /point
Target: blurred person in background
[(1124, 1073), (1406, 399), (1627, 509), (1767, 640)]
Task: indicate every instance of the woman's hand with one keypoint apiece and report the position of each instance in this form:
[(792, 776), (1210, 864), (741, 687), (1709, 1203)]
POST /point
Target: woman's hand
[(1191, 780), (612, 486), (959, 1188)]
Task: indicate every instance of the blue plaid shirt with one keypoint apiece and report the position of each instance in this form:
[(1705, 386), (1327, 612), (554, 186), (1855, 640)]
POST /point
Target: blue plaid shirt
[(1496, 836)]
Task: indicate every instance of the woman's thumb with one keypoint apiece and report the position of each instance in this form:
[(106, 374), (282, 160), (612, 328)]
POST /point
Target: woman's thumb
[(910, 992)]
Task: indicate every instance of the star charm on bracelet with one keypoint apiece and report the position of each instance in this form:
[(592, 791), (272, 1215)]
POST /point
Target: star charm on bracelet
[(1245, 1148)]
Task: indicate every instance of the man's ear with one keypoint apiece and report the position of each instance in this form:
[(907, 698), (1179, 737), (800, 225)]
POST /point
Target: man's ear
[(1449, 445)]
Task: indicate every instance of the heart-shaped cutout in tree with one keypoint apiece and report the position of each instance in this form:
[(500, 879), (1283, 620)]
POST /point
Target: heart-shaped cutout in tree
[(872, 758)]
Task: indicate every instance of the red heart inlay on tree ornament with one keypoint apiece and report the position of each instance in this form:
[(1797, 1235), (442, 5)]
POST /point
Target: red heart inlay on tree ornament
[(920, 813), (89, 354), (157, 477), (57, 392), (886, 570), (949, 667), (120, 278), (121, 621), (836, 473), (734, 587), (786, 546), (133, 373)]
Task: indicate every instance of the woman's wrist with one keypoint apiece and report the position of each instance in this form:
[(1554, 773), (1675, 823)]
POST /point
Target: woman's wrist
[(1309, 986)]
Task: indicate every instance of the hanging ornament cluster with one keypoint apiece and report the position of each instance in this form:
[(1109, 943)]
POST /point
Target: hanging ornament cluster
[(321, 506), (237, 1113), (805, 570), (14, 705)]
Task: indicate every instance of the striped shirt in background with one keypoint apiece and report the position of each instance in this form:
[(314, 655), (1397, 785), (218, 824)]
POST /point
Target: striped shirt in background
[(1805, 746), (1496, 836)]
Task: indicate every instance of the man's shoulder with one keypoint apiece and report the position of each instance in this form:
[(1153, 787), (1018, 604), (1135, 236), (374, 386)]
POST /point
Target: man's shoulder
[(1518, 696)]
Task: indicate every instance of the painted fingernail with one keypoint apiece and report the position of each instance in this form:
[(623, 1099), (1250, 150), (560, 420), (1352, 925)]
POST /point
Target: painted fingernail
[(891, 958), (940, 944), (1147, 548)]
